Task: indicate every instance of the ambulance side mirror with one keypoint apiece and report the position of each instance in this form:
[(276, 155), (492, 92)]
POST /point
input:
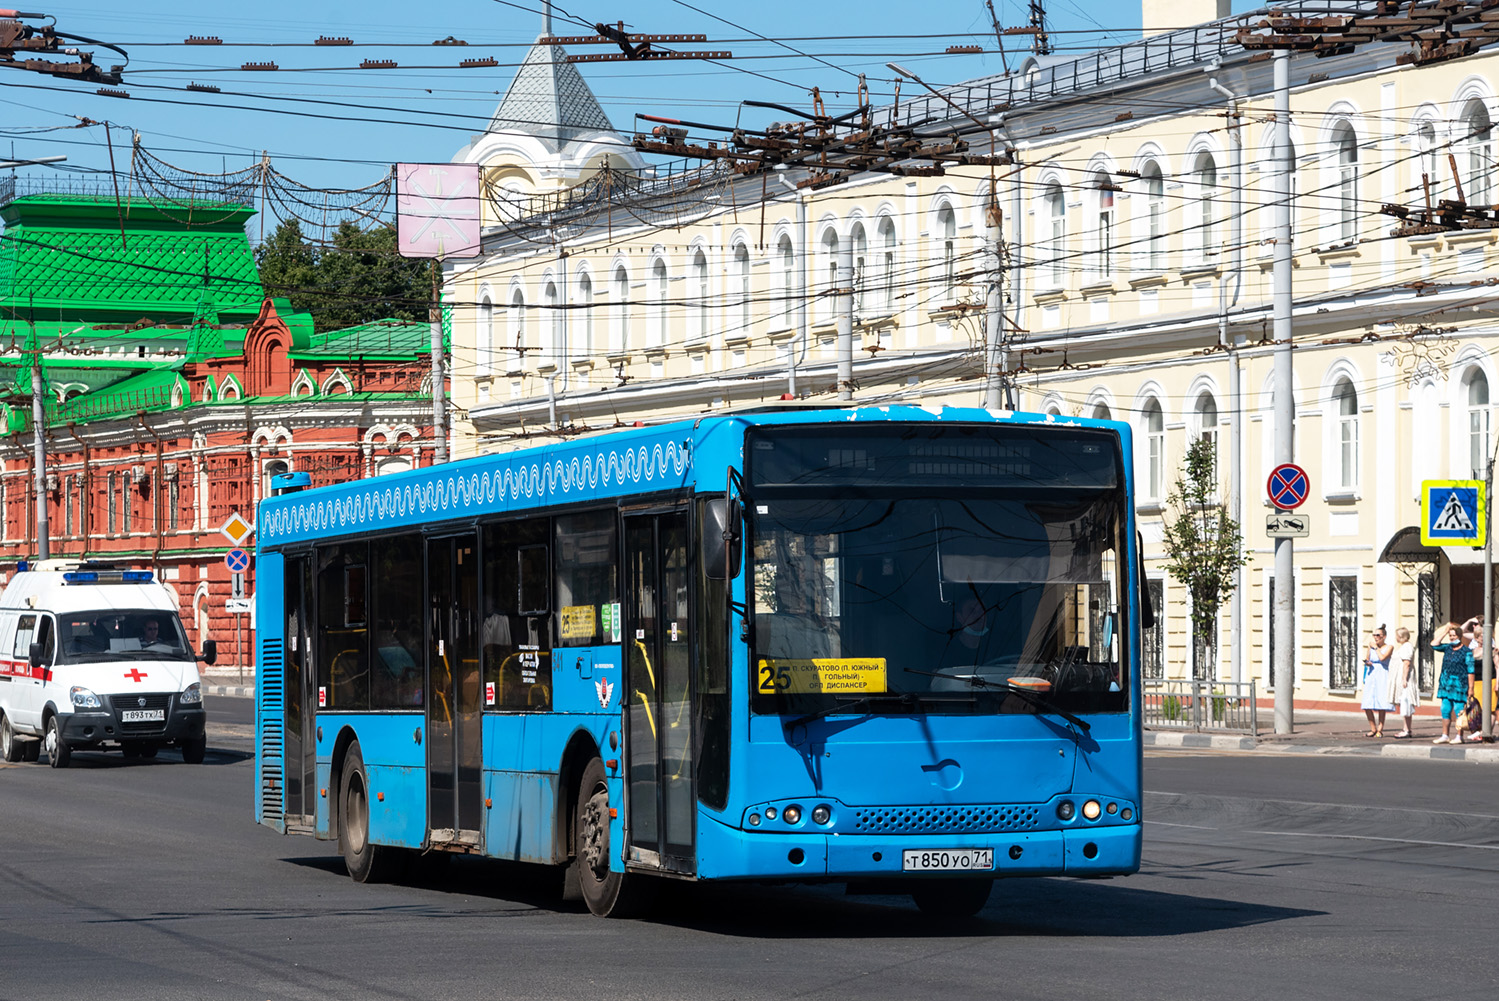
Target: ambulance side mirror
[(210, 651), (37, 655)]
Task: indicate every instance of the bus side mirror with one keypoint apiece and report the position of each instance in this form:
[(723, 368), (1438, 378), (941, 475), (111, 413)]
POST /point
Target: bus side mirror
[(36, 654), (722, 540), (210, 652)]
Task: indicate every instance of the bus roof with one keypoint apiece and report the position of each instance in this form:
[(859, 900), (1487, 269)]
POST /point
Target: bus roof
[(608, 465)]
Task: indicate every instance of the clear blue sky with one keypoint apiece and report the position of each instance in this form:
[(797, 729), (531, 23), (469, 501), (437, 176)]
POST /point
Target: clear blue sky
[(349, 122)]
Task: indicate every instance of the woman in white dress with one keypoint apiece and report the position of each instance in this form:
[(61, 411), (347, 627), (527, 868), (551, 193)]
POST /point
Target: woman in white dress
[(1377, 682), (1403, 682)]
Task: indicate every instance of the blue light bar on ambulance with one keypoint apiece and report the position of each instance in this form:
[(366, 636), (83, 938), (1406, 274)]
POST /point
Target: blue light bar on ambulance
[(107, 577)]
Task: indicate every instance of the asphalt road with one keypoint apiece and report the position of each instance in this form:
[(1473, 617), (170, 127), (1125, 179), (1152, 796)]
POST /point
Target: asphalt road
[(1265, 876)]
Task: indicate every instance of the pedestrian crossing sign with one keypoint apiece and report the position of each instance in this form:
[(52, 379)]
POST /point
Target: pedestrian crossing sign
[(1452, 513)]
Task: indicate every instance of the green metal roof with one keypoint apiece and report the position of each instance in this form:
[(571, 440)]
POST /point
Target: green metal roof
[(375, 340), (64, 258)]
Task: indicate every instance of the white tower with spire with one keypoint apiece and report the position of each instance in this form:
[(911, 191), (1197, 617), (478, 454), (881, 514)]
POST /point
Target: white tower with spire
[(549, 131)]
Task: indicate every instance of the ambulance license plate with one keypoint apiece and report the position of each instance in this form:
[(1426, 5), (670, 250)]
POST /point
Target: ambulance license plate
[(948, 860), (143, 715)]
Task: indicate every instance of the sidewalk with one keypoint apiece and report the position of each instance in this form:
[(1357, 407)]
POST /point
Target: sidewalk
[(1323, 732), (228, 681)]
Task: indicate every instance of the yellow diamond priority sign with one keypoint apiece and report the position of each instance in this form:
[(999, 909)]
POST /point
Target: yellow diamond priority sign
[(237, 529)]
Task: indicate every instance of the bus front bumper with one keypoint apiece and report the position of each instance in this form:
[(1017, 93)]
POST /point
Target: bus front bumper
[(728, 853)]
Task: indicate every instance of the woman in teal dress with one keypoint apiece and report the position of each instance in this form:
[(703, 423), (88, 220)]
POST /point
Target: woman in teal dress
[(1456, 679)]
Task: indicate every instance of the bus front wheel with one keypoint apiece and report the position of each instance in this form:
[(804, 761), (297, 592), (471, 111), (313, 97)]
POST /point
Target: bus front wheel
[(952, 898), (608, 893), (366, 863)]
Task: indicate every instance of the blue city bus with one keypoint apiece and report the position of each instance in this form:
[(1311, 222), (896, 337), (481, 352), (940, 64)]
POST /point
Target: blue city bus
[(894, 647)]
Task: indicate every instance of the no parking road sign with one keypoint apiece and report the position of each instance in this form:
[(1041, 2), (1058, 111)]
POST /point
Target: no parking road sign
[(1288, 486), (237, 560), (1453, 513)]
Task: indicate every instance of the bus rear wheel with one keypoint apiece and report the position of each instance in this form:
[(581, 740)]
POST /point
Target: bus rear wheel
[(366, 863), (953, 898), (608, 893)]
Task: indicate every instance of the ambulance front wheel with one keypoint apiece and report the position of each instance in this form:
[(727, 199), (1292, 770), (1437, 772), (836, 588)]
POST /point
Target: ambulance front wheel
[(192, 750), (58, 752)]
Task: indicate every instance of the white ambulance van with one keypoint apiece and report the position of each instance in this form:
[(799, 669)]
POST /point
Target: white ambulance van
[(93, 656)]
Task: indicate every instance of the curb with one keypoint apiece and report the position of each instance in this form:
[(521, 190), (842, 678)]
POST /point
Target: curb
[(232, 691), (1431, 752)]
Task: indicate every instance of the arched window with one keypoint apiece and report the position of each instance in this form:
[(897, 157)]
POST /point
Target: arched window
[(788, 281), (1155, 450), (1478, 143), (557, 349), (887, 264), (1205, 417), (658, 303), (1155, 209), (1345, 144), (619, 320), (1205, 175), (947, 236), (1428, 178), (1345, 400), (585, 315), (1101, 412), (485, 336), (698, 323), (1103, 234), (1056, 212), (518, 323), (1479, 443), (861, 252), (742, 290), (273, 469), (828, 266)]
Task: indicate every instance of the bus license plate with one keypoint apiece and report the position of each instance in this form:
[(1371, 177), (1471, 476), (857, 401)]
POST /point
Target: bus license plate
[(949, 860), (143, 715)]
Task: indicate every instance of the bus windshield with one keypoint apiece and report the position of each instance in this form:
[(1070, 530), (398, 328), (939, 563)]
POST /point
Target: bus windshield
[(931, 583), (122, 634)]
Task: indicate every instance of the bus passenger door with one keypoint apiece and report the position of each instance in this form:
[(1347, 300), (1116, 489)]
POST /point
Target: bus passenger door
[(658, 738), (454, 693), (300, 695)]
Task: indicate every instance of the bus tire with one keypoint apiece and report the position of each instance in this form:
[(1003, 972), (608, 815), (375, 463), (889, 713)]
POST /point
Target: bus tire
[(607, 893), (952, 898), (366, 863), (193, 749), (58, 752), (10, 747)]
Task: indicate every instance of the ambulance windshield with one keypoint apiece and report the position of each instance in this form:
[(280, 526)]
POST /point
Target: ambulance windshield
[(122, 634)]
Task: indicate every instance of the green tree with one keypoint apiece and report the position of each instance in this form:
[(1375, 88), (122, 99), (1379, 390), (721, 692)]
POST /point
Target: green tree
[(1204, 548), (356, 278)]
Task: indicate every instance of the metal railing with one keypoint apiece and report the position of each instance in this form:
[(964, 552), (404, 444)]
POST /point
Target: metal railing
[(1222, 706)]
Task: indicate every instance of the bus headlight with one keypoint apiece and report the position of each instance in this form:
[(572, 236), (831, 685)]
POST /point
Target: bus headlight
[(1091, 809), (821, 814), (1065, 810), (792, 815), (85, 699), (192, 695)]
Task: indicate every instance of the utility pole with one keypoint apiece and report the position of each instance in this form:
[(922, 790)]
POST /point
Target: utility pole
[(439, 389), (845, 307), (1285, 411), (39, 461), (994, 363)]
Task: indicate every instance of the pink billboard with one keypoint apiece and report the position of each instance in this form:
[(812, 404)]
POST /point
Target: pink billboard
[(437, 209)]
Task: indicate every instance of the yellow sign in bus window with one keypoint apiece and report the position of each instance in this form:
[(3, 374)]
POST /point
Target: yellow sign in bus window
[(579, 622), (822, 675)]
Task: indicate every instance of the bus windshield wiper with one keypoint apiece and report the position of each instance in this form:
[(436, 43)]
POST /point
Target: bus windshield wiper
[(1039, 701), (858, 704)]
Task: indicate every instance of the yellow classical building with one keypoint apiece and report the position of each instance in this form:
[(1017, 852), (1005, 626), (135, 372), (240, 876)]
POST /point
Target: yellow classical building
[(1135, 281)]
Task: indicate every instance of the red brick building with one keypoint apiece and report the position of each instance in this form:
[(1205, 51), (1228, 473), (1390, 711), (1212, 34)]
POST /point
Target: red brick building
[(175, 389)]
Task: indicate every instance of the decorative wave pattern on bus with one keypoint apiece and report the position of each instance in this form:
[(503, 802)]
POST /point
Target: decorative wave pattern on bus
[(536, 483)]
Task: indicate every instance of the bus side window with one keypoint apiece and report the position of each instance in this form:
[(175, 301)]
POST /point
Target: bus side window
[(515, 635), (342, 629)]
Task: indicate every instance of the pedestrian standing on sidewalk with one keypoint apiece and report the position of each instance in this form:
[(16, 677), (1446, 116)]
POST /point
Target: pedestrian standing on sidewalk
[(1403, 680), (1456, 679), (1377, 682)]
